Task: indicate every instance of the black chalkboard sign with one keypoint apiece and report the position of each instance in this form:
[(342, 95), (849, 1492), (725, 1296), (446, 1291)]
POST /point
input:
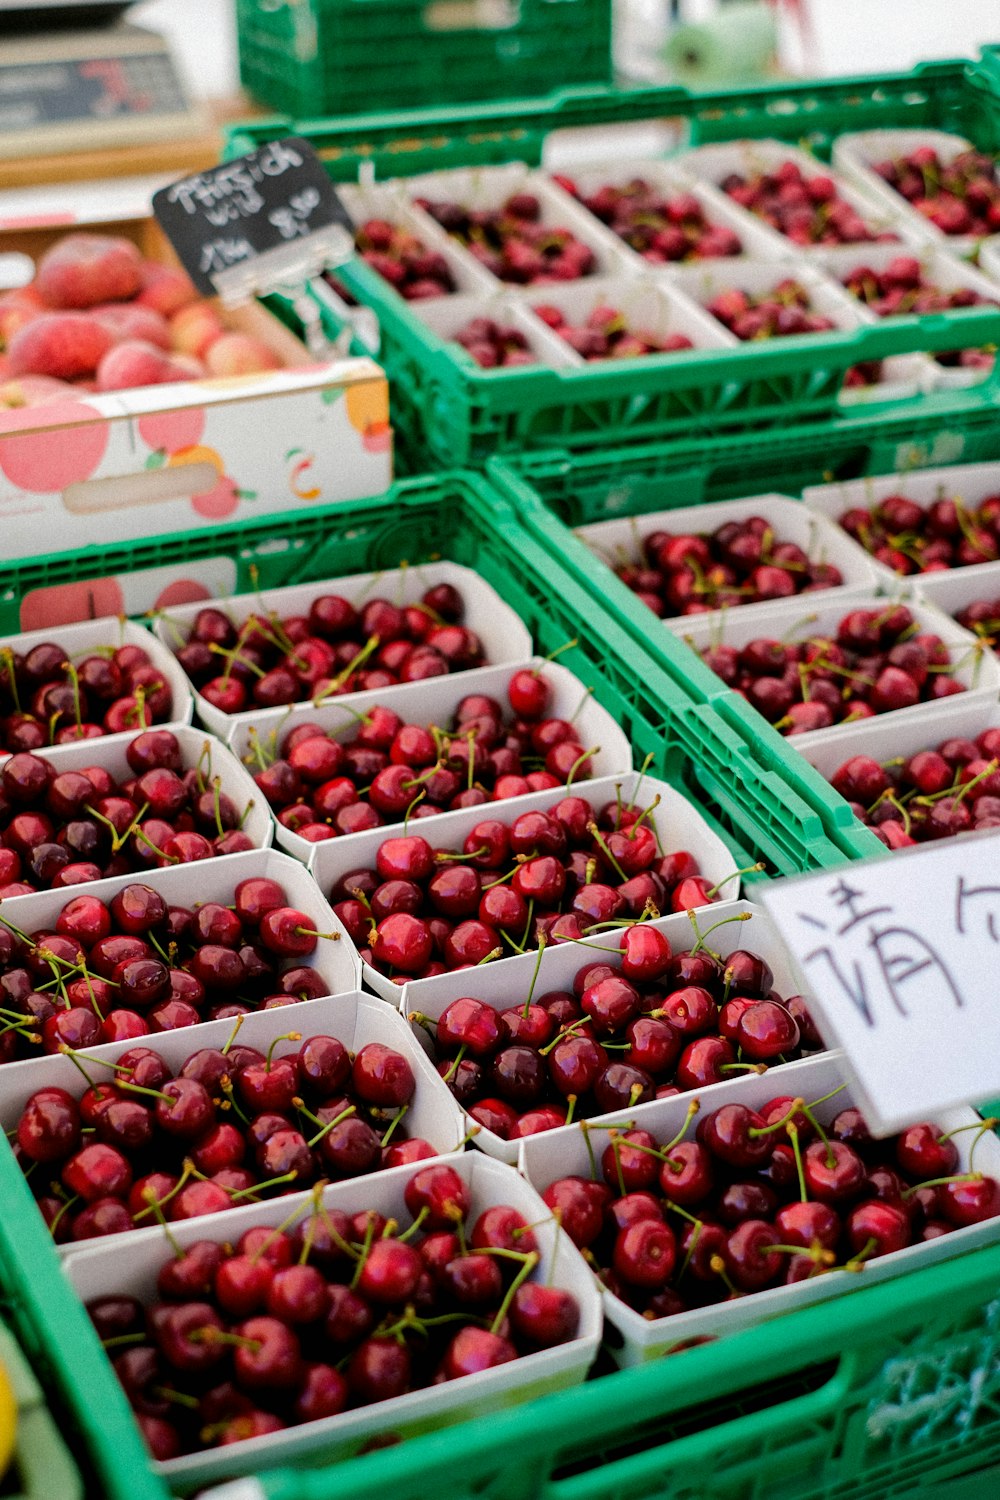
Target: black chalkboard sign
[(271, 200), (55, 92)]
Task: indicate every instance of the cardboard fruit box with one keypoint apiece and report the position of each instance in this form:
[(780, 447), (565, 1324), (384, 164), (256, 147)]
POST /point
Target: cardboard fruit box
[(92, 467)]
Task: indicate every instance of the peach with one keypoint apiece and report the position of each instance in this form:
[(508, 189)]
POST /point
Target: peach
[(18, 308), (165, 289), (63, 344), (194, 328), (34, 390), (128, 320), (84, 269), (239, 354), (135, 362)]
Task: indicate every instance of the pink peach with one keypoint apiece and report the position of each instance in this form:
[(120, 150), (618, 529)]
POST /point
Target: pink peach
[(194, 328), (127, 320), (165, 289), (134, 363), (34, 390), (18, 308), (63, 344), (84, 269), (239, 354)]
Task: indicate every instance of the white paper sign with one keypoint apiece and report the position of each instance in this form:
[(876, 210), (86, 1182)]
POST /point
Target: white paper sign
[(900, 960)]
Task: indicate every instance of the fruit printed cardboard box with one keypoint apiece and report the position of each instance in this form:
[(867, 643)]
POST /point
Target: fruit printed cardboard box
[(130, 407)]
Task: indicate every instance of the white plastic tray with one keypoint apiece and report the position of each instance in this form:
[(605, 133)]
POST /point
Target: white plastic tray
[(650, 305), (885, 741), (503, 636), (198, 748), (795, 619), (715, 163), (434, 702), (855, 154), (380, 201), (507, 984), (677, 821), (355, 1019), (490, 187), (636, 1339), (214, 880), (970, 483), (447, 316), (84, 639), (756, 237), (617, 541), (130, 1269)]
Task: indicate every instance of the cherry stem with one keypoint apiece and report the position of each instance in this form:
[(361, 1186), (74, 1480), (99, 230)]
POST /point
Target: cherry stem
[(121, 1339), (786, 1119), (233, 1035), (395, 1121), (344, 1246), (68, 1204), (418, 1221), (739, 916), (363, 1257), (642, 776), (531, 1260), (718, 1265), (693, 1107), (581, 758), (226, 1085), (793, 1136), (933, 1182), (453, 1065), (857, 1262), (585, 1132), (599, 839), (352, 666), (534, 977), (289, 1036), (154, 1204), (699, 1225), (344, 1114)]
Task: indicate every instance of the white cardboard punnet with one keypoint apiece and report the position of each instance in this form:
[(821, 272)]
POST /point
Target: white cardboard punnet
[(508, 984), (99, 1272), (677, 822), (620, 541), (504, 637), (213, 880), (90, 637), (353, 1018), (633, 1339), (434, 702)]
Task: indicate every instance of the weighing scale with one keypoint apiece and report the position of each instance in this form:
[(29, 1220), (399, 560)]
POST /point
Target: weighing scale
[(75, 76)]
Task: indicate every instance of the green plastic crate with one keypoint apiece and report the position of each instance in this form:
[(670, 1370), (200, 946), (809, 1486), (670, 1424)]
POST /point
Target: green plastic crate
[(342, 57), (890, 1391), (449, 410)]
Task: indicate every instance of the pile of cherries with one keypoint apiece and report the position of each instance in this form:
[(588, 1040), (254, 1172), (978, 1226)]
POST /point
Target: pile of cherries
[(910, 538), (48, 699), (783, 311), (513, 243), (296, 1323), (61, 828), (606, 335), (232, 1125), (268, 660), (876, 661), (655, 1024), (320, 787), (663, 227), (960, 197), (933, 794), (107, 971), (403, 260), (982, 617), (424, 911), (494, 345), (740, 562), (761, 1198), (808, 210), (903, 288)]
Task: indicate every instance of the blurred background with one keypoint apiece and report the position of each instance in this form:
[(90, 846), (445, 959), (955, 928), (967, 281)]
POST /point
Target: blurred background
[(813, 36)]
